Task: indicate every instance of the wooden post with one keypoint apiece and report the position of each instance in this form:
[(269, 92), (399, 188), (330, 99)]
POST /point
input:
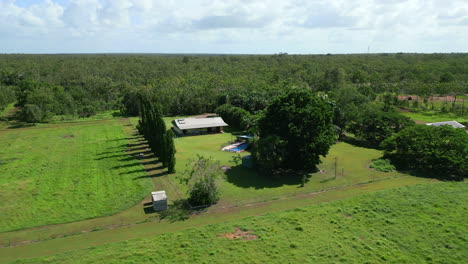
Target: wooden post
[(335, 165)]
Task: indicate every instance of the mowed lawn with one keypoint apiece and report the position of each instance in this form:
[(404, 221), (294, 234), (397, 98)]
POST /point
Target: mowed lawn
[(425, 223), (66, 173), (242, 185)]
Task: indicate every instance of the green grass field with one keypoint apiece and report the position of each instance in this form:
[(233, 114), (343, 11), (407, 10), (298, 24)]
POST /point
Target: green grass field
[(54, 167), (418, 224), (67, 173), (242, 185)]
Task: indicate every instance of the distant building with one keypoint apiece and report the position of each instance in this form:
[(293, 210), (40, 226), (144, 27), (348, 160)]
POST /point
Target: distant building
[(198, 126), (453, 124)]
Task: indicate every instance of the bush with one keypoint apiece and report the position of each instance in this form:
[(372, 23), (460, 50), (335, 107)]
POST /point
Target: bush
[(383, 165), (441, 151), (32, 113), (201, 178)]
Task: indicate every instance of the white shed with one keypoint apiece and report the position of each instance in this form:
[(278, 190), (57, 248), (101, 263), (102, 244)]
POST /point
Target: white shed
[(159, 200)]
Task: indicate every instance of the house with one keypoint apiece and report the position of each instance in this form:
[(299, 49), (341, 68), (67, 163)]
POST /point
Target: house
[(453, 124), (198, 126)]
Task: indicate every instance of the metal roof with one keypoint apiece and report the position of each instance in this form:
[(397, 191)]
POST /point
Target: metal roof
[(159, 196), (454, 124), (192, 123)]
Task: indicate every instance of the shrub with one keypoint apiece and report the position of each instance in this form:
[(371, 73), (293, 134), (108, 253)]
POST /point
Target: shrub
[(201, 178), (383, 165)]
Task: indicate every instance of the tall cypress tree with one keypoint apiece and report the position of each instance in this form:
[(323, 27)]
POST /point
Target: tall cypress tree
[(153, 128), (170, 151), (159, 131)]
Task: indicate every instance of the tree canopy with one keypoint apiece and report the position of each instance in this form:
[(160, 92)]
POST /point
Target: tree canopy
[(375, 125), (295, 130), (83, 85), (434, 150)]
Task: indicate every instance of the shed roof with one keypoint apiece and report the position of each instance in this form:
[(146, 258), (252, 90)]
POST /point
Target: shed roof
[(159, 196), (192, 123), (454, 124)]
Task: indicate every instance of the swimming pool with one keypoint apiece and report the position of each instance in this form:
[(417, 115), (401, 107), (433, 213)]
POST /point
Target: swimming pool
[(240, 147)]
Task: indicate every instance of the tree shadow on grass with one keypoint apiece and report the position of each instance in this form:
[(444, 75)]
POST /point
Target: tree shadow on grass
[(130, 165), (117, 139), (20, 125), (249, 178), (143, 148), (151, 175), (359, 143), (113, 156), (178, 211), (138, 145)]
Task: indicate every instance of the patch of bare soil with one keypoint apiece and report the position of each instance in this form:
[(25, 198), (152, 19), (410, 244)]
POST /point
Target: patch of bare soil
[(239, 234), (68, 136)]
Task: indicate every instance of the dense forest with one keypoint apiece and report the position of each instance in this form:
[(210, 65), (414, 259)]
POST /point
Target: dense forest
[(83, 85)]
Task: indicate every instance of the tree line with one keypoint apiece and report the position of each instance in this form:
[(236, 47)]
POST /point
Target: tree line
[(161, 141), (83, 85)]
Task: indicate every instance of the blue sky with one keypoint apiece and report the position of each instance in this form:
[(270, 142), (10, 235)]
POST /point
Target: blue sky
[(233, 26)]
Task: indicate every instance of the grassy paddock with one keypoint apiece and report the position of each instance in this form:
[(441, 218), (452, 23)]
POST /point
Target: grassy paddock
[(67, 173), (417, 224), (242, 185), (53, 245)]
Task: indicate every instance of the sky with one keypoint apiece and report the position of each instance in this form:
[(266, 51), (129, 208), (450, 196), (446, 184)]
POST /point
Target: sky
[(233, 26)]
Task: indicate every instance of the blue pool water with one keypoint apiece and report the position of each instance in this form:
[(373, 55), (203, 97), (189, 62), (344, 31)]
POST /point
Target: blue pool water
[(241, 147)]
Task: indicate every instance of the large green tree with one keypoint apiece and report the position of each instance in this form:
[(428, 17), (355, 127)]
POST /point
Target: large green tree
[(375, 125), (295, 130), (441, 151)]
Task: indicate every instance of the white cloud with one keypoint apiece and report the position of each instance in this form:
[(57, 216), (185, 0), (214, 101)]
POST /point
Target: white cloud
[(239, 26)]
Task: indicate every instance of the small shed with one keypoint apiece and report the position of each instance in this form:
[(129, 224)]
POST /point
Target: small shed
[(247, 161), (159, 200), (453, 124)]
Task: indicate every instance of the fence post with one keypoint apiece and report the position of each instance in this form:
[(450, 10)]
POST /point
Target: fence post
[(335, 165)]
